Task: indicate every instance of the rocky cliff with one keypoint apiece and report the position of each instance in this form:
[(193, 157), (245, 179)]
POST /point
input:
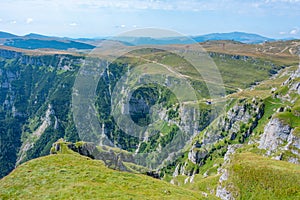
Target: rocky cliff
[(268, 127), (236, 125), (34, 104), (281, 141)]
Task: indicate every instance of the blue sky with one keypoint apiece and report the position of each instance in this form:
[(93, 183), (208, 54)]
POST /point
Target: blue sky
[(87, 18)]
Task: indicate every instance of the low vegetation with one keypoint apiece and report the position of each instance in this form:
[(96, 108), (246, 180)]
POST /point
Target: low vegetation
[(257, 177), (70, 176)]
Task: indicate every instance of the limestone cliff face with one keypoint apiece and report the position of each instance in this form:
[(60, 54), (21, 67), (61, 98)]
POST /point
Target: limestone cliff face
[(197, 154), (8, 54), (35, 93), (236, 125), (279, 138), (222, 191), (274, 136), (49, 119), (112, 158), (240, 120), (281, 135)]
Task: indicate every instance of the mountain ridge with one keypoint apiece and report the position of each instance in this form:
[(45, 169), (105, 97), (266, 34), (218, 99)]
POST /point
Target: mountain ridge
[(249, 38), (262, 95)]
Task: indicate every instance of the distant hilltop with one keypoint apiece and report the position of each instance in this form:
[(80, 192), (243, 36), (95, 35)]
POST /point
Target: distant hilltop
[(37, 41)]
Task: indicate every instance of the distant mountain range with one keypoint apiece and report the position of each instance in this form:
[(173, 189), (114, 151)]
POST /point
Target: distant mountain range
[(236, 36), (7, 35), (248, 38), (37, 41)]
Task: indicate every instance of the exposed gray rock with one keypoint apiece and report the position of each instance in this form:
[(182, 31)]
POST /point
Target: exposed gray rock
[(296, 86), (9, 54), (222, 191), (176, 172), (230, 151), (196, 155), (241, 113), (275, 134), (296, 74), (224, 194), (112, 158), (29, 142), (188, 122), (293, 141), (279, 138), (291, 83)]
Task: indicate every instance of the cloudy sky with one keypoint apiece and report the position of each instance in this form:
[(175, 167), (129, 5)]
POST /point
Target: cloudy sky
[(87, 18)]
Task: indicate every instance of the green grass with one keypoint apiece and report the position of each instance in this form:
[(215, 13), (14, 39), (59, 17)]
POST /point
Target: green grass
[(247, 72), (207, 184), (257, 177), (289, 119), (296, 107), (70, 176), (297, 132), (236, 73), (263, 90), (271, 105)]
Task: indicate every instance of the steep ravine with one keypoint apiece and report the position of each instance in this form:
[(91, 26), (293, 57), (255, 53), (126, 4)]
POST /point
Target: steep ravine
[(238, 130), (29, 86)]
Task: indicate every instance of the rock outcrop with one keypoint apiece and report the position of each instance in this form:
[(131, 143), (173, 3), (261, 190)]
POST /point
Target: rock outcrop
[(241, 119), (236, 124), (112, 158), (274, 136), (222, 191), (28, 143), (280, 139)]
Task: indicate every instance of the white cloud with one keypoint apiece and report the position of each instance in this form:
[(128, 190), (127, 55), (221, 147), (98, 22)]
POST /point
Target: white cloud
[(282, 33), (191, 5), (183, 5), (73, 24), (282, 1), (294, 31), (29, 20), (13, 22), (123, 26)]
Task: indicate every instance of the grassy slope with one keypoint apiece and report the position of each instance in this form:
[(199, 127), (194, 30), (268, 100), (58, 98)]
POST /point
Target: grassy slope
[(236, 73), (257, 177), (263, 91), (278, 52), (62, 176), (70, 176)]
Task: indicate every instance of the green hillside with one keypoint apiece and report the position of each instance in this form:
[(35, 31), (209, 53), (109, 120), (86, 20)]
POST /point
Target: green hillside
[(257, 177), (52, 44), (70, 176), (260, 124)]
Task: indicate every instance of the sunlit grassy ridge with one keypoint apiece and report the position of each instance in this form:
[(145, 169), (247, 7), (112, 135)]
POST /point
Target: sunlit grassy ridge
[(237, 71), (279, 52), (257, 177), (70, 176)]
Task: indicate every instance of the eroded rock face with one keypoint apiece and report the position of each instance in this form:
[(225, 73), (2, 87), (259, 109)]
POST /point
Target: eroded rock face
[(195, 155), (279, 138), (9, 54), (28, 143), (296, 87), (292, 82), (112, 159), (222, 191), (275, 134), (230, 123)]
